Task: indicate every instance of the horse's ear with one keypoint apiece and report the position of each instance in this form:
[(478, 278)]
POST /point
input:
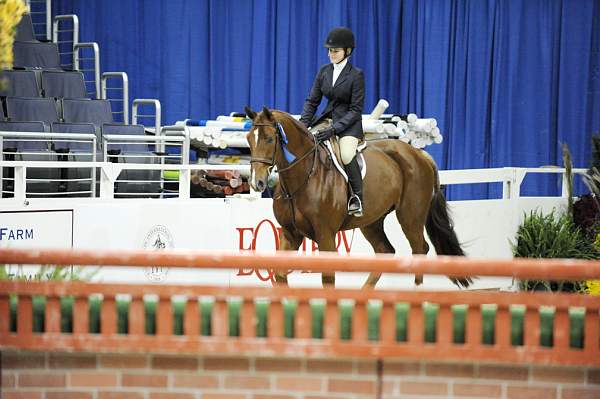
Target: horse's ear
[(267, 113), (251, 114)]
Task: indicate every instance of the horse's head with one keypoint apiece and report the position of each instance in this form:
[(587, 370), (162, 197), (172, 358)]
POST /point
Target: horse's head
[(263, 142)]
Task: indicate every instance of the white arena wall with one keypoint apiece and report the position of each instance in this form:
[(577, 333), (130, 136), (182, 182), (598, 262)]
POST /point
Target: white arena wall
[(485, 227)]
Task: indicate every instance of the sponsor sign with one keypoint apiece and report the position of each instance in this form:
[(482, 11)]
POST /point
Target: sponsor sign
[(36, 229)]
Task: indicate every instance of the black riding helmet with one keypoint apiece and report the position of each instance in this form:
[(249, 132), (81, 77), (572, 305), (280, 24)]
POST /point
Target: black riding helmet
[(340, 37)]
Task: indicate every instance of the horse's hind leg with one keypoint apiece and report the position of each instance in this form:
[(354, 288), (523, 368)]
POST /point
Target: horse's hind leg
[(412, 219), (375, 234), (289, 241)]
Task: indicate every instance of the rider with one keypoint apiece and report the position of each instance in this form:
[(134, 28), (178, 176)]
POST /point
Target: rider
[(344, 86)]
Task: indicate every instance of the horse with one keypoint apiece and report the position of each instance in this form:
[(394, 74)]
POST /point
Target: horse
[(310, 199)]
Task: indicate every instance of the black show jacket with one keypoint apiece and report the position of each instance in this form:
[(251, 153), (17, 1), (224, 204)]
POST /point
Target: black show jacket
[(346, 100)]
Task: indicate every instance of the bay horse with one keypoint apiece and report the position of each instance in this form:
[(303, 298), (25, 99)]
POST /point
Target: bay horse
[(310, 199)]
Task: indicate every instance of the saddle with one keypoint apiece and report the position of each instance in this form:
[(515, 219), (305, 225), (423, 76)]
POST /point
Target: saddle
[(333, 147)]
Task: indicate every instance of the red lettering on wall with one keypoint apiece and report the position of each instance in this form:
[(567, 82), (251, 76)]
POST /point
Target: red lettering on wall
[(341, 237), (247, 238), (276, 233), (241, 231)]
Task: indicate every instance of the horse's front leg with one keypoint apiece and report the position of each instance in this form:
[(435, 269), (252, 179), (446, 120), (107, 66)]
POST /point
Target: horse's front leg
[(290, 240), (326, 242)]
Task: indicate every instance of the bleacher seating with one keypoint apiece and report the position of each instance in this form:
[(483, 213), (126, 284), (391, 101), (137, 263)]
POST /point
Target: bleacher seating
[(36, 55), (40, 180), (134, 181), (42, 97), (25, 31), (79, 178), (27, 109), (23, 145), (72, 147), (97, 112), (20, 84), (63, 84)]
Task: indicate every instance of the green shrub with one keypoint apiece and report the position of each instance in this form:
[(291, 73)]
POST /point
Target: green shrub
[(552, 236)]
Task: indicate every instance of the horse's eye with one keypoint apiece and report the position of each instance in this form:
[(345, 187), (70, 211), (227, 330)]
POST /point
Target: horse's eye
[(269, 139)]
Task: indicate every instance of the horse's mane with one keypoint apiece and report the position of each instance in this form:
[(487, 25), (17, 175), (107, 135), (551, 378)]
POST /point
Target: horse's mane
[(291, 119)]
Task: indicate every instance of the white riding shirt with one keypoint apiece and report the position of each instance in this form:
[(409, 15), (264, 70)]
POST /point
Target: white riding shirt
[(337, 69)]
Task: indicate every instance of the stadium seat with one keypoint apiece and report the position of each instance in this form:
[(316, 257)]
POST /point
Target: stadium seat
[(24, 145), (29, 150), (20, 84), (25, 31), (72, 147), (97, 112), (63, 84), (27, 109), (146, 181), (36, 55), (75, 151)]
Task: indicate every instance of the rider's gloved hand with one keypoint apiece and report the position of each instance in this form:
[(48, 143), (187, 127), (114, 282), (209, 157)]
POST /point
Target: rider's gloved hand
[(324, 134)]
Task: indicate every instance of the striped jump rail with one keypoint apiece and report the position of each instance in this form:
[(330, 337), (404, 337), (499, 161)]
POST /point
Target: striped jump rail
[(297, 329)]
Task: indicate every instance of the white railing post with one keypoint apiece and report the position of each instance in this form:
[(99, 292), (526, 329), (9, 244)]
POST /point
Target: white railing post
[(77, 59), (125, 91), (20, 183), (75, 37)]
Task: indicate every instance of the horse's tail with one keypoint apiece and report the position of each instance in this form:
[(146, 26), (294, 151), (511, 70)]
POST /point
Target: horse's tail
[(440, 228)]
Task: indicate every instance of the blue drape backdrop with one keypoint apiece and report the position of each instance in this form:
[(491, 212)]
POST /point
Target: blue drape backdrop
[(507, 80)]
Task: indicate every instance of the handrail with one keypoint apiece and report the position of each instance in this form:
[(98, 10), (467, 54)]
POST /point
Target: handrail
[(75, 34), (157, 112), (124, 88), (548, 269), (76, 59), (510, 177)]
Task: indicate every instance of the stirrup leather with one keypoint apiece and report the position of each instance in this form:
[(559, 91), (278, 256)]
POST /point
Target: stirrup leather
[(355, 206)]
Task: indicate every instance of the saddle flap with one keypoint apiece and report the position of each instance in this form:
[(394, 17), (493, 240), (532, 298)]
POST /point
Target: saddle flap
[(333, 147)]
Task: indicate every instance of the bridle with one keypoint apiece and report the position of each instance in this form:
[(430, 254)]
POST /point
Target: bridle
[(280, 137)]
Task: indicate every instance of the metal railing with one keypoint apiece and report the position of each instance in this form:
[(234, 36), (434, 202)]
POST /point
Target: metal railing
[(52, 141), (123, 89), (41, 13), (66, 38), (139, 118), (81, 63)]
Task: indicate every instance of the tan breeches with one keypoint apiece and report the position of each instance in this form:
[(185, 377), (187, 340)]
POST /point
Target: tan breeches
[(348, 144)]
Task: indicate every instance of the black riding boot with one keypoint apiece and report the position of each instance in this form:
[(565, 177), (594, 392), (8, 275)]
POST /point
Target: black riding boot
[(355, 203)]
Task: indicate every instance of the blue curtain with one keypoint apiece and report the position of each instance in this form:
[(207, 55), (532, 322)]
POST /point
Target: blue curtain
[(507, 80)]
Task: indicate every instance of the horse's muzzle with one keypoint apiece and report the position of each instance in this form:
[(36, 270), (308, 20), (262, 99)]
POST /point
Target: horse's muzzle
[(261, 185)]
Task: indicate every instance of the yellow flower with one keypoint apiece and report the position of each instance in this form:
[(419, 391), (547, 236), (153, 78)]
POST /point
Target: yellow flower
[(592, 287), (11, 12)]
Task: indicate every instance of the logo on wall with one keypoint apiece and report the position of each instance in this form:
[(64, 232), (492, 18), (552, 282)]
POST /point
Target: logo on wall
[(249, 238), (158, 238)]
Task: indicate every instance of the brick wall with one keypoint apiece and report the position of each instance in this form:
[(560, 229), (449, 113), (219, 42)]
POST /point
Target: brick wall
[(31, 375)]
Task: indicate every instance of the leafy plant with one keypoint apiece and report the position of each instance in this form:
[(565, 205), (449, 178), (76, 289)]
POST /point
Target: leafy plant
[(47, 273), (552, 236), (569, 235)]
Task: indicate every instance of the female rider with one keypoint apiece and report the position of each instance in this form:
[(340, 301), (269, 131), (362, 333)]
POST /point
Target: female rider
[(344, 86)]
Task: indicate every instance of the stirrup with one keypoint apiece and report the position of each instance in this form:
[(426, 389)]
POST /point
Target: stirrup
[(353, 209)]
